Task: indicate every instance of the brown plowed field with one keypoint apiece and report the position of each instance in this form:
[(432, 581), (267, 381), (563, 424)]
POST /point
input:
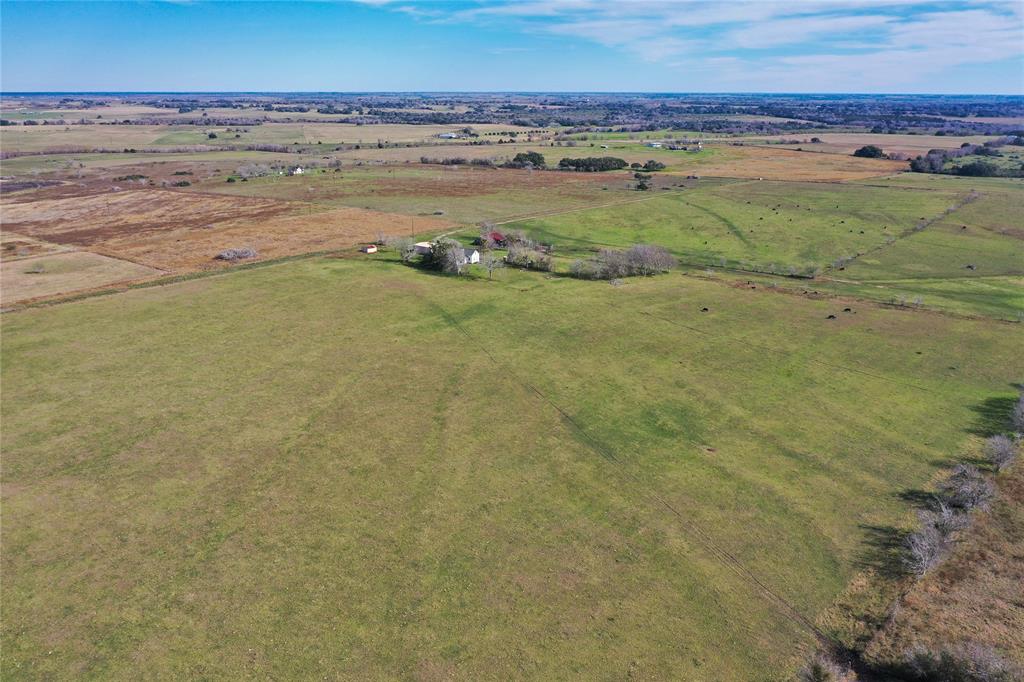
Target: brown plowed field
[(84, 221)]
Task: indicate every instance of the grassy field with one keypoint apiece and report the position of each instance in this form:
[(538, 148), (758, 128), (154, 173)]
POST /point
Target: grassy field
[(63, 272), (971, 261), (352, 468), (911, 145), (803, 225), (462, 193), (44, 137)]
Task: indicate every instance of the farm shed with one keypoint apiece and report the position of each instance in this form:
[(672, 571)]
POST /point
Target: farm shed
[(472, 255), (369, 248), (423, 248)]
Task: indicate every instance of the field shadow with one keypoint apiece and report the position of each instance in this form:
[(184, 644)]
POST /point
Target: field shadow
[(993, 416), (883, 550)]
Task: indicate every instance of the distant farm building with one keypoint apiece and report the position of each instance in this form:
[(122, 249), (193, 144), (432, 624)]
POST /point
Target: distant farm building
[(655, 145), (369, 248), (449, 136), (423, 248), (297, 170), (472, 256)]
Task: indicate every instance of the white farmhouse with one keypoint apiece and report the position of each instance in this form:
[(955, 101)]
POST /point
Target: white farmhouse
[(472, 255)]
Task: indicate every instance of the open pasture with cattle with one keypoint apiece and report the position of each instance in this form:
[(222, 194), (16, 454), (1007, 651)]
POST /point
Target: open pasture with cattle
[(507, 513), (263, 418)]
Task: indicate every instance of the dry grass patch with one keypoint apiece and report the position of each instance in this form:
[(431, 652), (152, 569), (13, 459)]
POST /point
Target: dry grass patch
[(63, 273), (89, 220), (779, 163), (978, 594), (189, 248)]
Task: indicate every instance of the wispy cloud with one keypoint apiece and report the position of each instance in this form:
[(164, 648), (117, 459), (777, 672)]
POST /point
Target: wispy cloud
[(799, 44)]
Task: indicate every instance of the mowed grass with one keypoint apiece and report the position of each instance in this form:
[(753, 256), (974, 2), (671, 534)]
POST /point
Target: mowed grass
[(774, 225), (351, 468)]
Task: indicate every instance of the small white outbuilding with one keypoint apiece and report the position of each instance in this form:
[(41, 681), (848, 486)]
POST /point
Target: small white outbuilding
[(423, 248), (472, 256)]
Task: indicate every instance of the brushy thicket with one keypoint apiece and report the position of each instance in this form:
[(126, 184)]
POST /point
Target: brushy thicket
[(965, 490), (642, 259)]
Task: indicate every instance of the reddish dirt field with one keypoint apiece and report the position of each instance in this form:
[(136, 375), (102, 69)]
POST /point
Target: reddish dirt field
[(185, 249)]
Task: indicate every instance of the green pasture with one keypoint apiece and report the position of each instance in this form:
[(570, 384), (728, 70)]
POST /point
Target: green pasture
[(753, 224), (350, 468)]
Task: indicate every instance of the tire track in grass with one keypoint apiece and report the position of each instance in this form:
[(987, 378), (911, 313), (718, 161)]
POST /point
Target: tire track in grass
[(695, 532)]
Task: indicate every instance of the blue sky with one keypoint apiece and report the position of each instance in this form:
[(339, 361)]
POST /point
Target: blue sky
[(552, 45)]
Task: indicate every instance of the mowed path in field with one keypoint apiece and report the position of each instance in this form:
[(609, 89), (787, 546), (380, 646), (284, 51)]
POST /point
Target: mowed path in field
[(353, 468)]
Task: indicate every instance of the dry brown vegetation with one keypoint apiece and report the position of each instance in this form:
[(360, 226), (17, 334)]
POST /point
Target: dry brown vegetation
[(62, 273), (975, 596)]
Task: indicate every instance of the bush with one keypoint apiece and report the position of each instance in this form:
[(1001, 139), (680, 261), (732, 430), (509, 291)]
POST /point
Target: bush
[(966, 488), (928, 545), (824, 669), (593, 164), (642, 259), (405, 247), (527, 160), (1001, 451), (970, 663), (236, 254), (870, 152), (978, 169), (447, 255), (525, 257)]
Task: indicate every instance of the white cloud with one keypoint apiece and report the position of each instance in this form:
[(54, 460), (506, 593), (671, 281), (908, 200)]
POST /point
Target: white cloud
[(803, 44)]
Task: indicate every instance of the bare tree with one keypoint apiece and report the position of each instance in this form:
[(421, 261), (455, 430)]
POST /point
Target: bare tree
[(405, 247), (966, 488), (491, 262), (928, 545), (1001, 451)]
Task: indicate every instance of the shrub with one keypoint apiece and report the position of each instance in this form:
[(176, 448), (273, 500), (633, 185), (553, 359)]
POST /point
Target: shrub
[(823, 669), (527, 160), (405, 247), (966, 488), (928, 545), (1001, 451), (521, 256), (236, 254), (642, 259), (447, 255), (969, 663), (870, 152), (594, 164), (978, 169)]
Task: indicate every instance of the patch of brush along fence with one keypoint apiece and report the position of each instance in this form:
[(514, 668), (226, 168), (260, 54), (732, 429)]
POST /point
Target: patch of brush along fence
[(947, 519), (232, 255)]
